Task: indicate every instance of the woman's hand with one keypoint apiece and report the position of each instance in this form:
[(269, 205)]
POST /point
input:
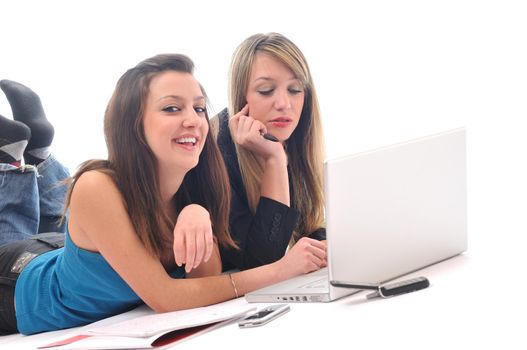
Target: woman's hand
[(305, 256), (247, 132), (193, 238)]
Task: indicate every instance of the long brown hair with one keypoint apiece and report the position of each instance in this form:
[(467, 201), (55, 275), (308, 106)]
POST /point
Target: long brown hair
[(305, 147), (132, 164)]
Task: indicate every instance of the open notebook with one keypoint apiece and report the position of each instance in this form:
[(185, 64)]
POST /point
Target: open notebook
[(151, 330)]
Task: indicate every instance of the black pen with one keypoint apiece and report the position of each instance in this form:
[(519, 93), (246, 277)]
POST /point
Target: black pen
[(270, 137), (390, 289)]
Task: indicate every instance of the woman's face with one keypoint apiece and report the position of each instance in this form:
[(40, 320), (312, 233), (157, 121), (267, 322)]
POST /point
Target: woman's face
[(275, 96), (174, 121)]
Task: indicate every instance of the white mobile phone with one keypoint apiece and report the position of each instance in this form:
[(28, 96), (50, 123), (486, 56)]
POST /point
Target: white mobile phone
[(264, 316)]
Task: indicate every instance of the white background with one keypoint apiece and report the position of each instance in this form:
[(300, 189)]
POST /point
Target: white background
[(385, 71)]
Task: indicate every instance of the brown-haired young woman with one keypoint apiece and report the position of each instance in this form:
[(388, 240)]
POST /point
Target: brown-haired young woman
[(160, 201)]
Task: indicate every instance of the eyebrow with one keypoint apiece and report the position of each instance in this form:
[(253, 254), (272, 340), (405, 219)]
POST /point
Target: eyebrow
[(176, 97), (271, 79)]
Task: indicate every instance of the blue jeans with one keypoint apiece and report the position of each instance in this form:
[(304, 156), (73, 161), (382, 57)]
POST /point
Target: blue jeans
[(31, 199)]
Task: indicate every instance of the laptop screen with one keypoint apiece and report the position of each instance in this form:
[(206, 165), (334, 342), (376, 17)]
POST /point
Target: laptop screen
[(396, 209)]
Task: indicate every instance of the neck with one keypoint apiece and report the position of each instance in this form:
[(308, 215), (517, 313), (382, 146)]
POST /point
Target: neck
[(169, 182)]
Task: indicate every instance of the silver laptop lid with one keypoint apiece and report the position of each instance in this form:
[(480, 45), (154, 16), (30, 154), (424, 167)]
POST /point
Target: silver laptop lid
[(396, 209)]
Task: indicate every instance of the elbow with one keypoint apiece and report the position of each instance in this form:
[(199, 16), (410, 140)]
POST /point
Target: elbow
[(160, 309), (158, 306), (164, 305), (160, 300), (173, 297)]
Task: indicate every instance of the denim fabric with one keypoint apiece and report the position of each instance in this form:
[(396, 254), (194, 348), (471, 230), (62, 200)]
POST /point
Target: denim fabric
[(31, 199)]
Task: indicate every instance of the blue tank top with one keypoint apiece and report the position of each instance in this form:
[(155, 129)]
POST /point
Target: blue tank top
[(69, 287)]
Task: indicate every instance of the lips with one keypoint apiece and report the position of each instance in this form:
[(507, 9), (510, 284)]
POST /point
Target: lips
[(281, 119), (281, 122), (188, 142)]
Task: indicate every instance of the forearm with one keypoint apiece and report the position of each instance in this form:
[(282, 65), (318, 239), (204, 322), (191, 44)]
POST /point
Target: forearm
[(275, 181), (262, 237), (212, 267), (182, 294), (259, 277)]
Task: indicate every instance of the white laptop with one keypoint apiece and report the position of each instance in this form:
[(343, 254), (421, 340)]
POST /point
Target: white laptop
[(389, 211)]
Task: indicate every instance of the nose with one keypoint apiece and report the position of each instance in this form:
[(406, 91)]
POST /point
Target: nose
[(192, 119), (282, 100)]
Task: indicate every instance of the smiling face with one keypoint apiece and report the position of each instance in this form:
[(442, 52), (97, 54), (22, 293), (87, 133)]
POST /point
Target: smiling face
[(175, 121), (275, 96)]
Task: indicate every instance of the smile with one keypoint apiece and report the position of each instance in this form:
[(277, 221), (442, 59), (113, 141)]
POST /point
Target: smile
[(190, 141)]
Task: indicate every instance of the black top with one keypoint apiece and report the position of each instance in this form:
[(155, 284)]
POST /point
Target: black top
[(264, 236)]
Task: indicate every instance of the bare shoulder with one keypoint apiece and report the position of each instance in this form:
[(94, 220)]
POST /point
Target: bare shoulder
[(92, 184), (95, 194), (93, 179), (96, 207)]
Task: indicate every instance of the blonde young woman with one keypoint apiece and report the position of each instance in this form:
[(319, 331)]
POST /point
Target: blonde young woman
[(277, 185), (140, 221)]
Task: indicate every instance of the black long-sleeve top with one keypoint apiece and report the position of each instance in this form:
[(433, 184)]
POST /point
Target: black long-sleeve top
[(263, 236)]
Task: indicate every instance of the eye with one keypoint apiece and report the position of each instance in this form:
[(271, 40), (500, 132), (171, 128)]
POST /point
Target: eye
[(295, 90), (200, 110), (265, 92), (171, 109)]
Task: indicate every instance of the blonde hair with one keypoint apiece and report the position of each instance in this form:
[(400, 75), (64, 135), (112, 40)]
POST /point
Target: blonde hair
[(305, 147)]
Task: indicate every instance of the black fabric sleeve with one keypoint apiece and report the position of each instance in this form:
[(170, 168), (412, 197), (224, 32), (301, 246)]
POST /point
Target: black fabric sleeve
[(262, 237), (318, 234)]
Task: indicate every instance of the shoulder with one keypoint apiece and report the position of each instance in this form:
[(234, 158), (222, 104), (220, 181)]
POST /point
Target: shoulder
[(94, 185), (223, 116), (96, 205), (220, 124), (228, 149), (95, 180), (223, 137)]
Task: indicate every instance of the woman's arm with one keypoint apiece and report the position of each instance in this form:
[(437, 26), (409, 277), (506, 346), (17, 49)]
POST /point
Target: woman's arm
[(319, 234), (263, 237), (275, 180), (212, 267), (247, 132), (99, 222), (193, 238)]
